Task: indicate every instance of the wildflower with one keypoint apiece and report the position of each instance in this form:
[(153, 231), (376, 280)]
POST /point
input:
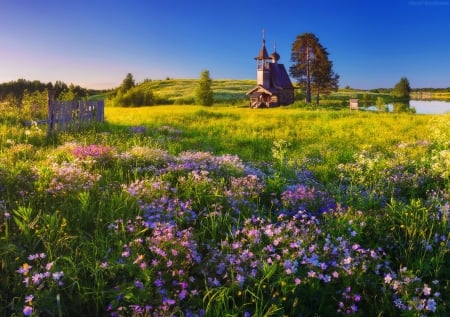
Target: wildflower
[(388, 278), (182, 295), (240, 279), (426, 290), (57, 275), (33, 257), (348, 260), (36, 278), (24, 269), (49, 266), (139, 284), (27, 310), (29, 299), (431, 305)]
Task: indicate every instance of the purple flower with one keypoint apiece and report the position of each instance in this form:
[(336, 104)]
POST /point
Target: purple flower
[(29, 299), (27, 310), (36, 278), (24, 269), (57, 275), (431, 305), (139, 284), (182, 295)]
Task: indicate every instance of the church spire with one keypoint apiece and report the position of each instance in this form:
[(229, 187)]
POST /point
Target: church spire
[(263, 51)]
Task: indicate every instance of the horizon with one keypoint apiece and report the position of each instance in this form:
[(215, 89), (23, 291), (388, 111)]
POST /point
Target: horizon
[(225, 79), (87, 44)]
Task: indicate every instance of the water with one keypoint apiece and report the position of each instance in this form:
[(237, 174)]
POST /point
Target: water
[(421, 106), (430, 107)]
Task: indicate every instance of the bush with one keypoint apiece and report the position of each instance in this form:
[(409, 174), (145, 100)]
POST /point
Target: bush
[(134, 97)]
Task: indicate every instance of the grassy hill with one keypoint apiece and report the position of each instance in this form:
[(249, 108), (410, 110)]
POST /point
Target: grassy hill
[(182, 91)]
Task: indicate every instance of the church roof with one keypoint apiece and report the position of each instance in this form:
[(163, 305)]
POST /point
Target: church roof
[(275, 56), (279, 77), (260, 89)]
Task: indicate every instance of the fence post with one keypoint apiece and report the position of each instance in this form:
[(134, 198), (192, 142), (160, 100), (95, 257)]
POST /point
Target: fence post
[(50, 115), (100, 111)]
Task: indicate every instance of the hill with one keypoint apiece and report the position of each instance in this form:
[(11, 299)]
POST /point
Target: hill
[(182, 91)]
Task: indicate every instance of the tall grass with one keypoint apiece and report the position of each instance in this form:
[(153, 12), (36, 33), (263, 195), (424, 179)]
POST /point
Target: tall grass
[(319, 140), (224, 211)]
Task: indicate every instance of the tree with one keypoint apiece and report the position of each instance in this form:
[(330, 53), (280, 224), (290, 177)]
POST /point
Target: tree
[(204, 93), (402, 89), (312, 68), (325, 79), (127, 83)]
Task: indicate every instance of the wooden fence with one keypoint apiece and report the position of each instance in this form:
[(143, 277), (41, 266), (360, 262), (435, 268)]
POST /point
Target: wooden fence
[(67, 115)]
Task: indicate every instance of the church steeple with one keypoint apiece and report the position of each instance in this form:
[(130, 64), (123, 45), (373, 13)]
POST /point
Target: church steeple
[(263, 51), (262, 65)]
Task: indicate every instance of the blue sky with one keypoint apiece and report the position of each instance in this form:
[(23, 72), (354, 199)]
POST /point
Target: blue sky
[(96, 43)]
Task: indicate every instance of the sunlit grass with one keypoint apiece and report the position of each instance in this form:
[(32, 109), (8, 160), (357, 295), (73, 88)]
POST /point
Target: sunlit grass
[(318, 139)]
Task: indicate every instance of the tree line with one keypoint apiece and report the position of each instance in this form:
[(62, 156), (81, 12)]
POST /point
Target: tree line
[(14, 91)]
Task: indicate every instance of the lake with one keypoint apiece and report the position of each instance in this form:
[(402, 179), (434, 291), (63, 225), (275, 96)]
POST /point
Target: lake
[(421, 106)]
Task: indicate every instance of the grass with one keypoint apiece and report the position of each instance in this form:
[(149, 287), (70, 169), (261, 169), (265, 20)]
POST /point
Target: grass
[(250, 134), (227, 211), (182, 91)]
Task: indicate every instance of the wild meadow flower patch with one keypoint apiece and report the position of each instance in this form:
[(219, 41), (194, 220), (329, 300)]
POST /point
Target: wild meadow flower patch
[(105, 230)]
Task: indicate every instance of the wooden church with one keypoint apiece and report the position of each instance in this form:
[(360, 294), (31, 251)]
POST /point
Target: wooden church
[(273, 85)]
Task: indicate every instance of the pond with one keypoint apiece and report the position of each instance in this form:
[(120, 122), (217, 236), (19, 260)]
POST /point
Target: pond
[(420, 106)]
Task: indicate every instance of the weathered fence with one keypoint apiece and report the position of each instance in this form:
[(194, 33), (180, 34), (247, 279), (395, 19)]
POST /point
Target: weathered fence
[(67, 115)]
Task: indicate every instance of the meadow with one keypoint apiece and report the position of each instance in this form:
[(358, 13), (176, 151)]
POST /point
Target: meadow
[(227, 211)]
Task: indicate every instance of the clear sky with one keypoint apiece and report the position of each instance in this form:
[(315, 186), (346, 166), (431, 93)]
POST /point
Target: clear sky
[(94, 43)]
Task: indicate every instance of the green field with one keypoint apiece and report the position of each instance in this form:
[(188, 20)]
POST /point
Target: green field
[(227, 211), (182, 91)]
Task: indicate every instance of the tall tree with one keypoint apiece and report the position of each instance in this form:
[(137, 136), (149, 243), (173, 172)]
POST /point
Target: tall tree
[(127, 83), (312, 68), (325, 80), (402, 89), (204, 93)]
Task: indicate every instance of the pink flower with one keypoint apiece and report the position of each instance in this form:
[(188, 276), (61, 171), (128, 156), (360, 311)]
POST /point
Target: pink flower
[(426, 290), (27, 310)]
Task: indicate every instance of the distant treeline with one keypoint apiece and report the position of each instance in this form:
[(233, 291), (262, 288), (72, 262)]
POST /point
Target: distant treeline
[(14, 91), (389, 90)]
